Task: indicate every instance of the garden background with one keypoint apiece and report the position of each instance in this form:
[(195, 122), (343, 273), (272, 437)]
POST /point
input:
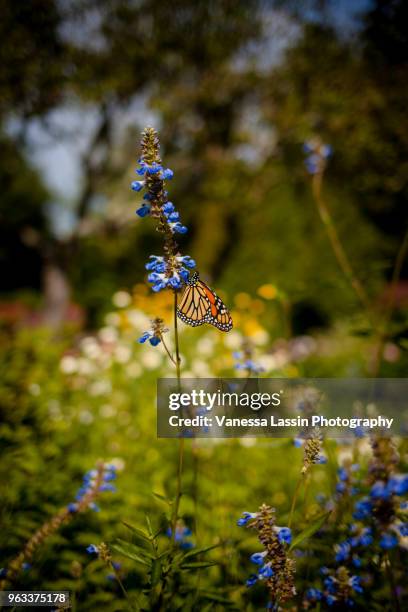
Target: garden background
[(234, 89)]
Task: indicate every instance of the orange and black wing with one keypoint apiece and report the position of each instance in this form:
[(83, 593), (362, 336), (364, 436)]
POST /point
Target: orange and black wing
[(194, 306), (218, 314), (199, 304)]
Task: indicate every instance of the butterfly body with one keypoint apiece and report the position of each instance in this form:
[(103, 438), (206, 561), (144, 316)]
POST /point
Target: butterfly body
[(199, 304)]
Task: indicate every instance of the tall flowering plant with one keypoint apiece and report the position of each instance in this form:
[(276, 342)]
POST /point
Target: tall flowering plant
[(167, 271), (171, 269)]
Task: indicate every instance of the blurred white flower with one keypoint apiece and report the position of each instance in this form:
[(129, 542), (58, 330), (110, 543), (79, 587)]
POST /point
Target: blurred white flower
[(345, 455), (90, 347), (260, 337), (54, 410), (85, 417), (247, 442), (301, 347), (68, 364), (107, 411), (281, 357), (137, 319), (205, 346), (151, 359), (84, 366), (268, 362), (121, 299), (100, 387), (118, 462), (108, 334), (123, 353), (134, 370), (200, 369), (34, 389), (233, 340), (112, 319)]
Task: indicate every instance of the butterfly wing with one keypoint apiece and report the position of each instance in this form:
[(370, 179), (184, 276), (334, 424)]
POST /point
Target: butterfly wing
[(217, 314), (194, 306), (199, 304)]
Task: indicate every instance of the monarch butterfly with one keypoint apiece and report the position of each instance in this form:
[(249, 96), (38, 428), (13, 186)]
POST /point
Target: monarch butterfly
[(199, 304)]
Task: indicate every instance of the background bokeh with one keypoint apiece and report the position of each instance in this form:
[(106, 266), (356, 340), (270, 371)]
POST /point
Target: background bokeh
[(234, 89)]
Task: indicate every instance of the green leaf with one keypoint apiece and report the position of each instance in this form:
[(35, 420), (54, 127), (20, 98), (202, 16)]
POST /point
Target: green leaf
[(214, 597), (199, 551), (130, 554), (132, 549), (167, 501), (198, 565), (155, 573), (310, 530), (139, 532)]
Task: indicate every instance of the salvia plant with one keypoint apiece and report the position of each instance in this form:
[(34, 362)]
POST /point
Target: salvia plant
[(298, 551)]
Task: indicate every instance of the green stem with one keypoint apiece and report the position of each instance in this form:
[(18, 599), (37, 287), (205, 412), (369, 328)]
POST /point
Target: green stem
[(336, 244), (120, 583), (176, 340), (294, 499), (167, 350), (181, 440)]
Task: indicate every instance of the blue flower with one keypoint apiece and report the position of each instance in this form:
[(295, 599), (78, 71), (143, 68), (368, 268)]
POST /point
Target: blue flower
[(143, 211), (355, 584), (26, 566), (363, 509), (399, 484), (181, 536), (92, 549), (285, 535), (298, 442), (341, 487), (380, 490), (258, 558), (265, 572), (110, 475), (317, 153), (149, 335), (364, 538), (251, 580), (403, 529), (330, 584), (246, 517), (168, 208), (162, 276), (313, 594), (167, 174), (107, 487), (89, 481), (137, 185), (3, 572), (388, 540), (249, 366), (343, 551), (178, 228), (342, 473)]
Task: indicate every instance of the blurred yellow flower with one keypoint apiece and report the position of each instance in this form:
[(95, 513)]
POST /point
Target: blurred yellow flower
[(242, 300), (268, 292)]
